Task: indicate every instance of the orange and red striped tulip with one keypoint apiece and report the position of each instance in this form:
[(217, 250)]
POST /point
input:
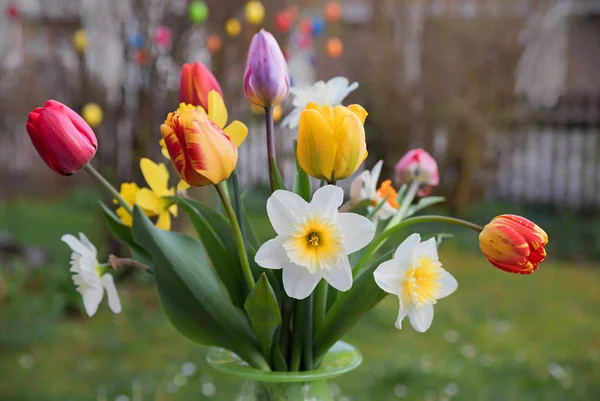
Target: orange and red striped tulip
[(199, 150), (513, 244)]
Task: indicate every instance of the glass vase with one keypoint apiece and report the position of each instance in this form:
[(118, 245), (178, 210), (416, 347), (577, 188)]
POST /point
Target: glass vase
[(287, 386)]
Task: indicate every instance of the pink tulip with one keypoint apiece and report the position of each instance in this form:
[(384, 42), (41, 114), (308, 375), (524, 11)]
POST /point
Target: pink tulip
[(418, 165), (62, 138)]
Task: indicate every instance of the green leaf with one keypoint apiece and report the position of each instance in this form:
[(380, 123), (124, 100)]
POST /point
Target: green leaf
[(278, 359), (279, 184), (263, 312), (193, 296), (225, 262), (301, 181), (123, 234), (422, 204)]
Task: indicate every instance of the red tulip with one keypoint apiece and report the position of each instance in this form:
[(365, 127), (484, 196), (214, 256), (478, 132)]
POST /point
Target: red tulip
[(513, 244), (418, 165), (195, 84), (62, 138)]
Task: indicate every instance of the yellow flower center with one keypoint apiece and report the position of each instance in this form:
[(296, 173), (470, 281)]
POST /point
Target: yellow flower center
[(421, 285), (316, 243)]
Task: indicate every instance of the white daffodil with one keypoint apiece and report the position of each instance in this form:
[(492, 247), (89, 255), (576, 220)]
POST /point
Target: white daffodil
[(332, 93), (364, 187), (416, 276), (89, 277), (313, 240)]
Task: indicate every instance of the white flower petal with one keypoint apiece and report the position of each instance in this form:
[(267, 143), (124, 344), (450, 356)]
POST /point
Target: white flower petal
[(358, 231), (389, 276), (92, 298), (404, 253), (114, 303), (375, 173), (85, 241), (356, 188), (298, 282), (421, 318), (284, 209), (448, 285), (402, 311), (75, 244), (339, 276), (427, 248), (292, 119), (327, 200), (272, 254)]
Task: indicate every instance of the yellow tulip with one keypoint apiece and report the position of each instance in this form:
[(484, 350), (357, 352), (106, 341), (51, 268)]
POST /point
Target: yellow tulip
[(331, 141)]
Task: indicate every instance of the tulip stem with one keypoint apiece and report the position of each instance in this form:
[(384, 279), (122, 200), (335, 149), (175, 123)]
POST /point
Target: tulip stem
[(102, 181), (237, 234), (388, 232), (270, 144)]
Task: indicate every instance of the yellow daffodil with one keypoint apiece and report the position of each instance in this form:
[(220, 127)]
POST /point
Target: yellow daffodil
[(150, 200)]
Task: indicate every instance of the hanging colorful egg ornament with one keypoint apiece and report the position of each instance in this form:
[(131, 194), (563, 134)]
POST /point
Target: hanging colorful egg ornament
[(163, 36), (233, 27), (306, 26), (333, 11), (255, 12), (317, 26), (305, 40), (283, 21), (12, 12), (334, 47), (198, 12), (136, 40), (92, 114), (213, 43), (80, 40), (293, 12), (142, 57)]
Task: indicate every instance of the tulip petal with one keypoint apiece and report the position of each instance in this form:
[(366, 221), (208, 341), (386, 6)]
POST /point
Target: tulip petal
[(316, 145), (237, 132), (360, 112), (217, 111), (503, 244), (156, 175)]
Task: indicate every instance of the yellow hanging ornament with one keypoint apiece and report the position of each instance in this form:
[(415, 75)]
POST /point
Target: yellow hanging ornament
[(233, 27)]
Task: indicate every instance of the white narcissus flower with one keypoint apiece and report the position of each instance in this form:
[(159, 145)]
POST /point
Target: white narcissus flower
[(416, 276), (313, 240), (89, 277), (331, 93), (364, 187)]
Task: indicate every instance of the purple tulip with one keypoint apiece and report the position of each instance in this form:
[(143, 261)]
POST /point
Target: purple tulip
[(266, 77)]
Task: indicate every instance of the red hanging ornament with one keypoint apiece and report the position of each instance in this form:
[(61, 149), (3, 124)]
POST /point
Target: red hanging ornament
[(283, 21)]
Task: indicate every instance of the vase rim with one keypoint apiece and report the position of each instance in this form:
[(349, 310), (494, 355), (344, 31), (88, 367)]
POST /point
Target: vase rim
[(340, 359)]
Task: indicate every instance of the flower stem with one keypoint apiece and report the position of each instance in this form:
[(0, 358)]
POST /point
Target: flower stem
[(237, 234), (117, 263), (270, 144), (388, 232), (102, 181), (307, 341), (320, 304), (406, 202), (297, 337)]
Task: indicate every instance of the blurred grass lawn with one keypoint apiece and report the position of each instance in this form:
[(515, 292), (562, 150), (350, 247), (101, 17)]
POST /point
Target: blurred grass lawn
[(499, 337)]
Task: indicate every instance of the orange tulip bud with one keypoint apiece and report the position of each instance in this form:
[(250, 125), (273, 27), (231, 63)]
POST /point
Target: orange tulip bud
[(513, 244), (196, 83), (200, 151)]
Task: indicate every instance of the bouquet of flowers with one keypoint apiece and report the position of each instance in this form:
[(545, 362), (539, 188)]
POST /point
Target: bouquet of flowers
[(279, 305)]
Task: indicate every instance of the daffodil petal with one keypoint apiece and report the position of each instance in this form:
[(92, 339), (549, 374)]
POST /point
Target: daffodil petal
[(156, 175), (421, 318), (217, 111), (358, 231), (388, 276), (164, 221), (173, 210), (298, 282), (272, 255), (114, 303), (147, 200), (339, 276), (448, 285), (182, 185), (237, 132), (125, 217)]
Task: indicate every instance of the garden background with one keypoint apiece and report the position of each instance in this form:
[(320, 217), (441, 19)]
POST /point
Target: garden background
[(504, 94)]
